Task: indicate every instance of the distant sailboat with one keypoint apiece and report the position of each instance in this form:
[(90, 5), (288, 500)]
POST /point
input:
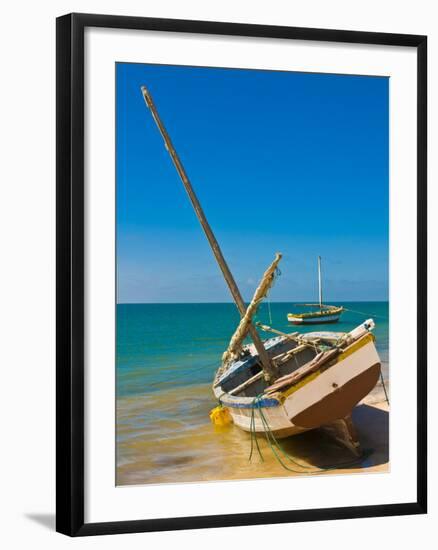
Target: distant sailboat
[(322, 314)]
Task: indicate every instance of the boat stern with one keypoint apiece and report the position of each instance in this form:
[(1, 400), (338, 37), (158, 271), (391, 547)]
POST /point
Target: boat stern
[(334, 392)]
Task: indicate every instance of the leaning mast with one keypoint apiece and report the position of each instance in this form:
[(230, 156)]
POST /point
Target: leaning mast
[(264, 358), (319, 283)]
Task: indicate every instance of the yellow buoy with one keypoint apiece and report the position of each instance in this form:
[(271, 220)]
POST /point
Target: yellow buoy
[(220, 416)]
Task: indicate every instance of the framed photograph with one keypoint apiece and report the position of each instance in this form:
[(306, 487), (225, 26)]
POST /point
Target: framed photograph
[(241, 274)]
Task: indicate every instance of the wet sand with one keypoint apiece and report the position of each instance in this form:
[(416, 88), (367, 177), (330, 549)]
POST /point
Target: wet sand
[(167, 437)]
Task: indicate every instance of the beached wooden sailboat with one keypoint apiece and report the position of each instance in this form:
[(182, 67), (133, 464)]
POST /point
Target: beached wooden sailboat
[(320, 378), (320, 313), (289, 383)]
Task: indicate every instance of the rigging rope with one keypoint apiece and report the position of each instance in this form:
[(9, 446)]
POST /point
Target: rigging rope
[(384, 386), (275, 445), (366, 313), (269, 311), (275, 276)]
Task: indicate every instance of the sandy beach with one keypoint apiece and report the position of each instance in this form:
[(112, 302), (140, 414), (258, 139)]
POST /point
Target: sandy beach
[(170, 439)]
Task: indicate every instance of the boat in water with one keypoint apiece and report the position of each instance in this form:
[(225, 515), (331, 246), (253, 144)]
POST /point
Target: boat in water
[(288, 383), (320, 313)]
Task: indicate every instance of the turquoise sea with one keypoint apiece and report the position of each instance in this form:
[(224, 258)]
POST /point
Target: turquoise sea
[(167, 355), (167, 345)]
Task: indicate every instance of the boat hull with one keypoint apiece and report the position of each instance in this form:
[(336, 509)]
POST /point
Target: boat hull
[(321, 319), (329, 396)]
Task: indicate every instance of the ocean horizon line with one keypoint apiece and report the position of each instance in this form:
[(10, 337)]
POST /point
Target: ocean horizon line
[(292, 302)]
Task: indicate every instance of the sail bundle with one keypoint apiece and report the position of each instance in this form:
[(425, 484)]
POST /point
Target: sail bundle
[(235, 346)]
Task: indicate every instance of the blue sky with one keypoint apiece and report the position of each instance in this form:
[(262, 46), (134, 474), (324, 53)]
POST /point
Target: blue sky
[(281, 161)]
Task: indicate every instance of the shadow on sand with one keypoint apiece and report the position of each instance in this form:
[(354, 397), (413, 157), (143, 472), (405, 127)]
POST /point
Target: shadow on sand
[(321, 449)]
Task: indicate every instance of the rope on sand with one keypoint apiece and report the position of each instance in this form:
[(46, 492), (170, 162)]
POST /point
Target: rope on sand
[(275, 446)]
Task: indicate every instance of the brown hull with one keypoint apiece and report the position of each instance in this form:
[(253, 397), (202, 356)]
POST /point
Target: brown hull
[(340, 403)]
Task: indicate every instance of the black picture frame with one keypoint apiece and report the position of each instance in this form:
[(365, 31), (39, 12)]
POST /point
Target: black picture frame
[(70, 273)]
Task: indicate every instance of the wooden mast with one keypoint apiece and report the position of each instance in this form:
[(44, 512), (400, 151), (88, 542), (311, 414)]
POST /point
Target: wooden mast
[(319, 283), (264, 358)]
